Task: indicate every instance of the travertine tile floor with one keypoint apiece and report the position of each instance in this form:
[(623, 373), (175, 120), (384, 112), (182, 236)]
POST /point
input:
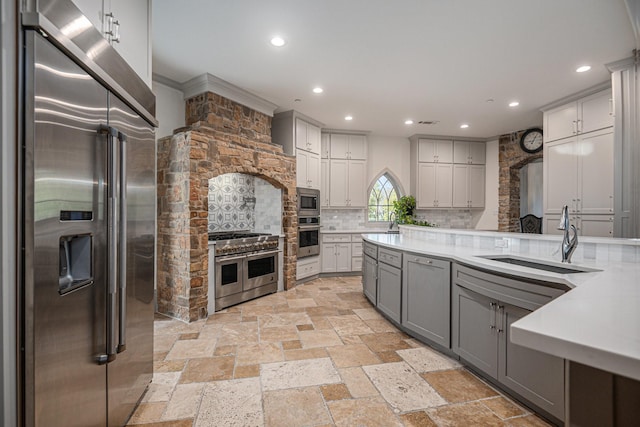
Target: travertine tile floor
[(317, 355)]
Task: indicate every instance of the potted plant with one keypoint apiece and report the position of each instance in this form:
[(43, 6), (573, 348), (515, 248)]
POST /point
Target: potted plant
[(403, 208)]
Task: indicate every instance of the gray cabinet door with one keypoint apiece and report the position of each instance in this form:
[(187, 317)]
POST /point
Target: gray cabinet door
[(475, 337), (369, 272), (389, 290), (536, 376), (426, 298)]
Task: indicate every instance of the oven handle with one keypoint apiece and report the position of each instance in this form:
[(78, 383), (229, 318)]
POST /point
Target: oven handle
[(263, 254), (225, 258), (309, 227)]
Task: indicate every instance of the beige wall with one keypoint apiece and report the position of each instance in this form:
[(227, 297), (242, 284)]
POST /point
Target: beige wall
[(488, 219), (392, 153), (169, 109)]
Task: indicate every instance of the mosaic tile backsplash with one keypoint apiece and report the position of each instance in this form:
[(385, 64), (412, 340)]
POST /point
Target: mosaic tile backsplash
[(239, 202), (232, 202)]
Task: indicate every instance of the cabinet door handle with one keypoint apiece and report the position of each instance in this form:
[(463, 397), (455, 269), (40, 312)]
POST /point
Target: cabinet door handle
[(502, 319), (423, 261), (579, 126), (611, 107), (575, 127), (492, 315)]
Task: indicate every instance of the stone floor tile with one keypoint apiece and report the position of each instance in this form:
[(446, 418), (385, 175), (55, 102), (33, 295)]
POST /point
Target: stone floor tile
[(322, 338), (279, 333), (225, 318), (321, 322), (231, 403), (466, 414), (161, 387), (284, 319), (189, 336), (387, 341), (184, 402), (426, 360), (344, 356), (335, 392), (305, 353), (191, 349), (358, 383), (368, 313), (148, 413), (255, 354), (225, 350), (370, 412), (246, 371), (298, 373), (380, 325), (187, 422), (527, 421), (351, 339), (211, 331), (169, 365), (417, 419), (177, 327), (301, 302), (249, 318), (159, 356), (291, 345), (349, 325), (210, 369), (294, 407), (305, 327), (402, 387), (256, 310), (503, 408), (239, 333), (164, 342), (389, 356), (321, 310), (458, 385)]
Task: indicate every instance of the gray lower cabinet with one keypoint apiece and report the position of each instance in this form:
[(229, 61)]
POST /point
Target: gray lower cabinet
[(426, 297), (369, 278), (481, 323), (389, 290)]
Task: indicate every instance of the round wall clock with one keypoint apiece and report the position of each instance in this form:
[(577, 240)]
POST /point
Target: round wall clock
[(531, 140)]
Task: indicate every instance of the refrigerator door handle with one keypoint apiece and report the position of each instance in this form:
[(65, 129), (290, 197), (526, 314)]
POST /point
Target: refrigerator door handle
[(112, 201), (122, 290)]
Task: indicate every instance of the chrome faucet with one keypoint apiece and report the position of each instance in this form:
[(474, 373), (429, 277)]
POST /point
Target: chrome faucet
[(569, 244), (392, 221)]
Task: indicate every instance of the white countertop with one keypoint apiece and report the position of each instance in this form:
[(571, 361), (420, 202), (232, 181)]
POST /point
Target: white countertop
[(596, 323)]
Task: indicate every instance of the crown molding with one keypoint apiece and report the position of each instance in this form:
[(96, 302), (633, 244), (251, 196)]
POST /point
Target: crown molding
[(166, 81), (210, 83), (577, 96), (347, 131)]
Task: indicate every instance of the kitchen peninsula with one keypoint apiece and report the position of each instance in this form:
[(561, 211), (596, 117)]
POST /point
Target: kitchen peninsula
[(589, 317)]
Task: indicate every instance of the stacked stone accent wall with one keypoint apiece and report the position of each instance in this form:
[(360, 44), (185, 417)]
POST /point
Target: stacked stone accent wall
[(511, 158), (223, 137)]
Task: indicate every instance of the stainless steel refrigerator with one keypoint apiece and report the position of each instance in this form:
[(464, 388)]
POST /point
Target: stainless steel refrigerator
[(88, 203)]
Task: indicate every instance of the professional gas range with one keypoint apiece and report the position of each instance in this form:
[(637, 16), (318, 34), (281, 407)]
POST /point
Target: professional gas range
[(246, 266), (237, 242)]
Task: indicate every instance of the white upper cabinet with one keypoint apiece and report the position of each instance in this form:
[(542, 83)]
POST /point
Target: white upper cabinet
[(324, 145), (468, 186), (434, 186), (588, 114), (307, 169), (307, 136), (324, 183), (467, 152), (126, 24), (347, 183), (348, 146), (435, 151)]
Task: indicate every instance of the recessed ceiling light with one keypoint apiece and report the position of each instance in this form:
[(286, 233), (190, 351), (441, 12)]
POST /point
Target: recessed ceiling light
[(277, 41), (464, 126), (348, 118), (489, 100), (514, 104), (318, 90), (408, 122), (583, 69)]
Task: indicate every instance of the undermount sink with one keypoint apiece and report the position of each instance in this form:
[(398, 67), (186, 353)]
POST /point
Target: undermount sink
[(540, 265)]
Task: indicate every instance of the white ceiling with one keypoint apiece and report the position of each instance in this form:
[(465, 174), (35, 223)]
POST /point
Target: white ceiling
[(384, 61)]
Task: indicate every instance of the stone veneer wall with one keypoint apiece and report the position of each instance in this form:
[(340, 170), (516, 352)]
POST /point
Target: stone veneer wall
[(223, 137), (511, 159)]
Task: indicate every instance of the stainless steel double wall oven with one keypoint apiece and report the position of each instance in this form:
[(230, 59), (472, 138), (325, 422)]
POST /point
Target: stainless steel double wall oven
[(308, 222)]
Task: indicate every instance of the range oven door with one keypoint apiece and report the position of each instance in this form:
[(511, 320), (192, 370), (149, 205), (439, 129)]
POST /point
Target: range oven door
[(229, 275), (260, 269), (308, 240)]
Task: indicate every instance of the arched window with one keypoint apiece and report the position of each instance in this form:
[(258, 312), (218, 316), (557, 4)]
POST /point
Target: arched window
[(383, 193)]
